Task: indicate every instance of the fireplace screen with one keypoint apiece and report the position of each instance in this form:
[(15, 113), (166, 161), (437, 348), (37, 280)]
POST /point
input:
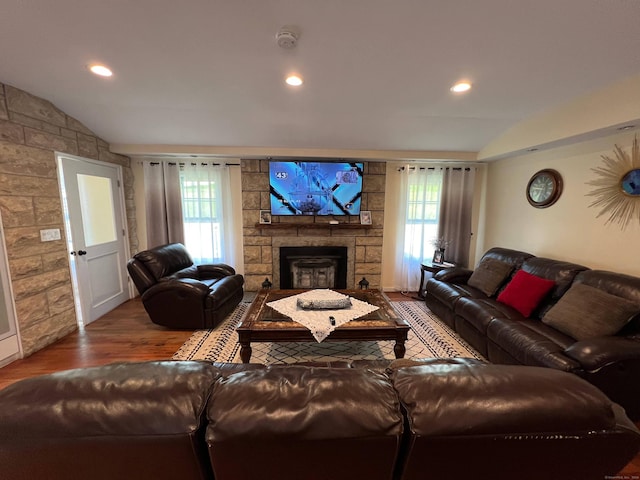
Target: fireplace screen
[(313, 267), (313, 272)]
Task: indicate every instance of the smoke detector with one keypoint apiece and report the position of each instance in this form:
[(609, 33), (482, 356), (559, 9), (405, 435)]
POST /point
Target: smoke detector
[(287, 37)]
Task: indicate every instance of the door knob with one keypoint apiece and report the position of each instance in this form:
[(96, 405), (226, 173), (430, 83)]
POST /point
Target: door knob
[(81, 252)]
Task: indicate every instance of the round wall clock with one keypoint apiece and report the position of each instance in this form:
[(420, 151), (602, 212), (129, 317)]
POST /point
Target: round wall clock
[(544, 188)]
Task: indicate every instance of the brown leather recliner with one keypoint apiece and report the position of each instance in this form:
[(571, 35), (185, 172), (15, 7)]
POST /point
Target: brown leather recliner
[(178, 294)]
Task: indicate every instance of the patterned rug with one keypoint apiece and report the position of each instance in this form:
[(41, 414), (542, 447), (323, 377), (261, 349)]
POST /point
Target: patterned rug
[(429, 338)]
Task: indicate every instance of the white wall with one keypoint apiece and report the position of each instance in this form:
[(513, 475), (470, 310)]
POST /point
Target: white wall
[(569, 229)]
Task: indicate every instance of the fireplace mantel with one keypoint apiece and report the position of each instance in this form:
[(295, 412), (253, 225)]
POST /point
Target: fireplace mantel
[(312, 226)]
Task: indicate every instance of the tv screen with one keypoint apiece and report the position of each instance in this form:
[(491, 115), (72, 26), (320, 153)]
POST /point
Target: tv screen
[(315, 188)]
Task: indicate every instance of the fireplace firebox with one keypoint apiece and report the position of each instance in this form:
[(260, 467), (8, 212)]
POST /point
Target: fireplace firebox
[(313, 267)]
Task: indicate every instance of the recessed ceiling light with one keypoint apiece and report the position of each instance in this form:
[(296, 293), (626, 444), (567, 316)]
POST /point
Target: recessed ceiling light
[(461, 87), (294, 80), (101, 70)]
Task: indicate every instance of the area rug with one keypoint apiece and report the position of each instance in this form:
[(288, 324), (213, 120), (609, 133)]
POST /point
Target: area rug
[(429, 338)]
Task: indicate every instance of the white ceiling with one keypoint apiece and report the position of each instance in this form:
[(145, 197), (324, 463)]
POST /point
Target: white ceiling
[(377, 72)]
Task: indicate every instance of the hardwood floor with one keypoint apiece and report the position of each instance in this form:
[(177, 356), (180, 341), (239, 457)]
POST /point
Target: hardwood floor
[(124, 334), (127, 334)]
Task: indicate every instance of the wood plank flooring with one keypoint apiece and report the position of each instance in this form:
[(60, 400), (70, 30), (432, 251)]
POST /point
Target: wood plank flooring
[(127, 334), (124, 334)]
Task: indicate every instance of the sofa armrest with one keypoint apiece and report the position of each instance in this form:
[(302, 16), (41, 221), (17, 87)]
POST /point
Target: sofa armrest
[(224, 289), (142, 278), (216, 270), (595, 353), (178, 303), (457, 275)]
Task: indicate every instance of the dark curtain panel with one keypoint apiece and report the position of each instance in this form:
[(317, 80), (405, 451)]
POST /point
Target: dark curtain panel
[(164, 203), (455, 213)]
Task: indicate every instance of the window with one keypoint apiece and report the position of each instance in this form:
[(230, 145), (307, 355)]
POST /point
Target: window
[(202, 212), (191, 203), (198, 200), (423, 207)]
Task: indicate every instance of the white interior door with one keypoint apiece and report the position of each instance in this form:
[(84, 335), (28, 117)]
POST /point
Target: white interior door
[(93, 202)]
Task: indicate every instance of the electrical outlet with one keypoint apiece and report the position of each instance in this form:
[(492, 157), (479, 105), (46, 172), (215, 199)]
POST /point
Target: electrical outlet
[(50, 235)]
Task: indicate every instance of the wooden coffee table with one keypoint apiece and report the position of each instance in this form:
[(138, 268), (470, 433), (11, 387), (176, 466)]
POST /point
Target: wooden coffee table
[(264, 324)]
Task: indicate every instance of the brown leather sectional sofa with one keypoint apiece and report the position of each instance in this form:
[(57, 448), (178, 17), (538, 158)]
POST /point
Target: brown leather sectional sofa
[(400, 420), (564, 330), (178, 294)]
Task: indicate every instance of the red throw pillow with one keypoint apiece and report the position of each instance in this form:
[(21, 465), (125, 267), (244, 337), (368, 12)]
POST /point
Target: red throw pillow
[(525, 292)]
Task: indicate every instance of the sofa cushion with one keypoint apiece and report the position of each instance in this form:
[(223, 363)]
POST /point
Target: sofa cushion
[(489, 276), (488, 399), (318, 419), (525, 291), (531, 342), (507, 255), (588, 312), (165, 259), (119, 421), (449, 293), (415, 362), (456, 409), (480, 312), (618, 284)]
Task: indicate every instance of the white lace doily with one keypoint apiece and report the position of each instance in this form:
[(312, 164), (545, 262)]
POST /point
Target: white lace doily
[(317, 321)]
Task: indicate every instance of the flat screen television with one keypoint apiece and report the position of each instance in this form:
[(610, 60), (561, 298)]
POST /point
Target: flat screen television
[(315, 188)]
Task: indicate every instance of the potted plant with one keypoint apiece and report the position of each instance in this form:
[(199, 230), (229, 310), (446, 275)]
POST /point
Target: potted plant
[(441, 244)]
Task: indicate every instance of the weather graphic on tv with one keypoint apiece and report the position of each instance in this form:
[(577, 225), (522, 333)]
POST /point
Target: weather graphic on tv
[(315, 188)]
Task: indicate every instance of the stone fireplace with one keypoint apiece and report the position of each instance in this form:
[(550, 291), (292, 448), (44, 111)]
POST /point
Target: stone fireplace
[(262, 243)]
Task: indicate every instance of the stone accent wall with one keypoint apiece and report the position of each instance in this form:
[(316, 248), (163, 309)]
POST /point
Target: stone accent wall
[(31, 130), (261, 244)]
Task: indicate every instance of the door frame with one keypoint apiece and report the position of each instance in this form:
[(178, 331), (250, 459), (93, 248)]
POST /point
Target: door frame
[(8, 345), (80, 314)]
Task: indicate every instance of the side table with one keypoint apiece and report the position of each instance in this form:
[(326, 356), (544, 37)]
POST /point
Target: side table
[(429, 266)]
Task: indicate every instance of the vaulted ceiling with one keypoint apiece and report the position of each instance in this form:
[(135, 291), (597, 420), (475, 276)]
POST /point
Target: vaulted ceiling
[(377, 73)]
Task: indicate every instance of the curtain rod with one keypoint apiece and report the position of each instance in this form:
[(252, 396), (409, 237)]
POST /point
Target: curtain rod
[(204, 164), (466, 169)]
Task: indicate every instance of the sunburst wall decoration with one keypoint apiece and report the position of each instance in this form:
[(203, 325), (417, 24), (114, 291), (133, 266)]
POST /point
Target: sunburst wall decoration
[(617, 191)]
